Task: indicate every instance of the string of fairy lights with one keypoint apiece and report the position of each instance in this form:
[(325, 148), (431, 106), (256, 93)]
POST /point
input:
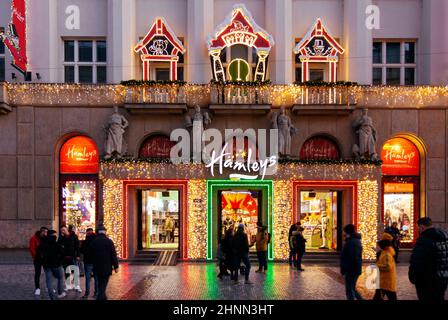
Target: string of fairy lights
[(368, 217), (204, 94)]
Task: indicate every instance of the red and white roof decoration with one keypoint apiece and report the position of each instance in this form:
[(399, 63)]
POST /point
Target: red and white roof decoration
[(160, 28), (240, 28), (318, 30)]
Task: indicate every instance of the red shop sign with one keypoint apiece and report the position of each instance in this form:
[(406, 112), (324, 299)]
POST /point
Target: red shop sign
[(15, 37), (319, 148), (400, 158), (79, 155), (156, 147)]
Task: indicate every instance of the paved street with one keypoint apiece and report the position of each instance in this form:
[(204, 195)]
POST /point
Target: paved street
[(196, 281)]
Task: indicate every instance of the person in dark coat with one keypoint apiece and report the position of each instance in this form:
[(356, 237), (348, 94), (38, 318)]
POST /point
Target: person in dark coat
[(104, 258), (88, 262), (69, 241), (299, 244), (428, 270), (35, 241), (396, 235), (227, 249), (351, 261), (240, 250), (52, 254), (292, 250)]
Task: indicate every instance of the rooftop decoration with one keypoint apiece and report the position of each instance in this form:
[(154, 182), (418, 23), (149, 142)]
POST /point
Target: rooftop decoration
[(318, 46), (160, 44), (239, 28)]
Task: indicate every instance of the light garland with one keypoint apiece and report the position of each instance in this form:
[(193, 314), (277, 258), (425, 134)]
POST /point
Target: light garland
[(282, 217), (368, 217), (197, 219), (192, 94), (113, 213)]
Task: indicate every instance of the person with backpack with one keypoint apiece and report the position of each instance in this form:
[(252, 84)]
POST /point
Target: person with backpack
[(52, 254), (428, 270), (387, 269), (292, 251), (261, 245), (299, 244), (240, 250)]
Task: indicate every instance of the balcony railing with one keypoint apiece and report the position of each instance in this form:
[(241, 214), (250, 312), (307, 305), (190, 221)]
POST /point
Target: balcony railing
[(235, 94), (325, 96)]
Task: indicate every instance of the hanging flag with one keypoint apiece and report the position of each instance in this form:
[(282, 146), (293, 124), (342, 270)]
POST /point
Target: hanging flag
[(15, 36)]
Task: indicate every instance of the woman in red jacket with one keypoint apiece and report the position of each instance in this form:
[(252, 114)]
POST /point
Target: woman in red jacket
[(37, 261)]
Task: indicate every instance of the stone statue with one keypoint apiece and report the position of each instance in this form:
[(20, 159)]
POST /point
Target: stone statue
[(115, 130), (366, 132), (197, 124), (282, 122)]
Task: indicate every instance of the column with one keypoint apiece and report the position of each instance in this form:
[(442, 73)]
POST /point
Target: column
[(432, 67), (357, 42), (121, 39), (279, 25), (200, 25)]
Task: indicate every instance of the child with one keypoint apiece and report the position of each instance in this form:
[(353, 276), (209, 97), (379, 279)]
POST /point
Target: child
[(387, 268)]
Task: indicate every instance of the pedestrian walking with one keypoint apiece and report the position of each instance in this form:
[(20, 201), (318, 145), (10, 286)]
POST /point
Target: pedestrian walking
[(387, 269), (220, 255), (227, 250), (70, 243), (240, 248), (88, 263), (292, 251), (351, 261), (104, 258), (428, 270), (52, 255), (261, 245), (299, 243), (35, 241), (395, 233)]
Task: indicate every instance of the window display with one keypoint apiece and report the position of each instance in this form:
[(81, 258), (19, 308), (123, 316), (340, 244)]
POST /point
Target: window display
[(79, 205), (239, 207), (399, 208), (318, 216), (160, 219)]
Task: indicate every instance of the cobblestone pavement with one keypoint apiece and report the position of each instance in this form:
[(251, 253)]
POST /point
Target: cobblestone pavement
[(197, 281)]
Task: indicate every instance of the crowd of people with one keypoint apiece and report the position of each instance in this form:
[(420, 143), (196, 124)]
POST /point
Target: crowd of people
[(59, 257)]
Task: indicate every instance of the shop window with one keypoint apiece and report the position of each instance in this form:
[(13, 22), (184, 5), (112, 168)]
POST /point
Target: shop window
[(394, 62), (85, 61), (78, 193), (401, 178), (156, 146), (320, 148)]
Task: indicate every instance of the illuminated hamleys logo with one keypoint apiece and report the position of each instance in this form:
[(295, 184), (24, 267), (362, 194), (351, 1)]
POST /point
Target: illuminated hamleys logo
[(398, 155), (78, 153)]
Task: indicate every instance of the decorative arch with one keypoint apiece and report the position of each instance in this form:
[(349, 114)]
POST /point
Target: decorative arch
[(318, 46), (239, 27), (321, 147), (404, 183), (156, 145)]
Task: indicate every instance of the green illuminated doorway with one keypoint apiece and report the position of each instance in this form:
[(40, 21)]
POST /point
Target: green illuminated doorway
[(258, 191)]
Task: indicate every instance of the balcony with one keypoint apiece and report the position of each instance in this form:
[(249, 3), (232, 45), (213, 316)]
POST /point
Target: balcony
[(223, 99)]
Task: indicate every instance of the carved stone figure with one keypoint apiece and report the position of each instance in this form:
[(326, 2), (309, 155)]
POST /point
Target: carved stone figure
[(115, 130), (197, 124), (366, 132), (282, 122)]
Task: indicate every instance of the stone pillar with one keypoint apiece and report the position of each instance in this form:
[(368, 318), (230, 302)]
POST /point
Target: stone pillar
[(279, 26), (200, 25), (357, 42), (121, 39), (432, 67)]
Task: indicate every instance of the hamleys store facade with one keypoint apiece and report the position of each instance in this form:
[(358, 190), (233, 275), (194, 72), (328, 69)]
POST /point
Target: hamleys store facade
[(54, 137)]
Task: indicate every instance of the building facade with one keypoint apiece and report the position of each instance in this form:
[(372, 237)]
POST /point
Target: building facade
[(218, 55)]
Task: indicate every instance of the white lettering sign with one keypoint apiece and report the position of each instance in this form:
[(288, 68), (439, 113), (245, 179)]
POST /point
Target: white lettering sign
[(73, 21)]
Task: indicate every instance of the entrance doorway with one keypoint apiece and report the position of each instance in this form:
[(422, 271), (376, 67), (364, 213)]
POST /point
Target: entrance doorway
[(239, 206), (158, 219), (320, 216)]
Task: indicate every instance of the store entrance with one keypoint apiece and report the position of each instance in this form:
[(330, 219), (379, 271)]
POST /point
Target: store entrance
[(320, 216), (158, 219), (239, 206)]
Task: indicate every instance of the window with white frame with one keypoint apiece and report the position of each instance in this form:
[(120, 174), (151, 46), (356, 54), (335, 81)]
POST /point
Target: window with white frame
[(85, 61), (394, 62), (2, 61)]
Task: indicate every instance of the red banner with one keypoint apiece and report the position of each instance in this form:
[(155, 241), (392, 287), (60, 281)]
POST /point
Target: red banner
[(79, 155), (156, 147), (319, 148), (15, 36), (400, 158)]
